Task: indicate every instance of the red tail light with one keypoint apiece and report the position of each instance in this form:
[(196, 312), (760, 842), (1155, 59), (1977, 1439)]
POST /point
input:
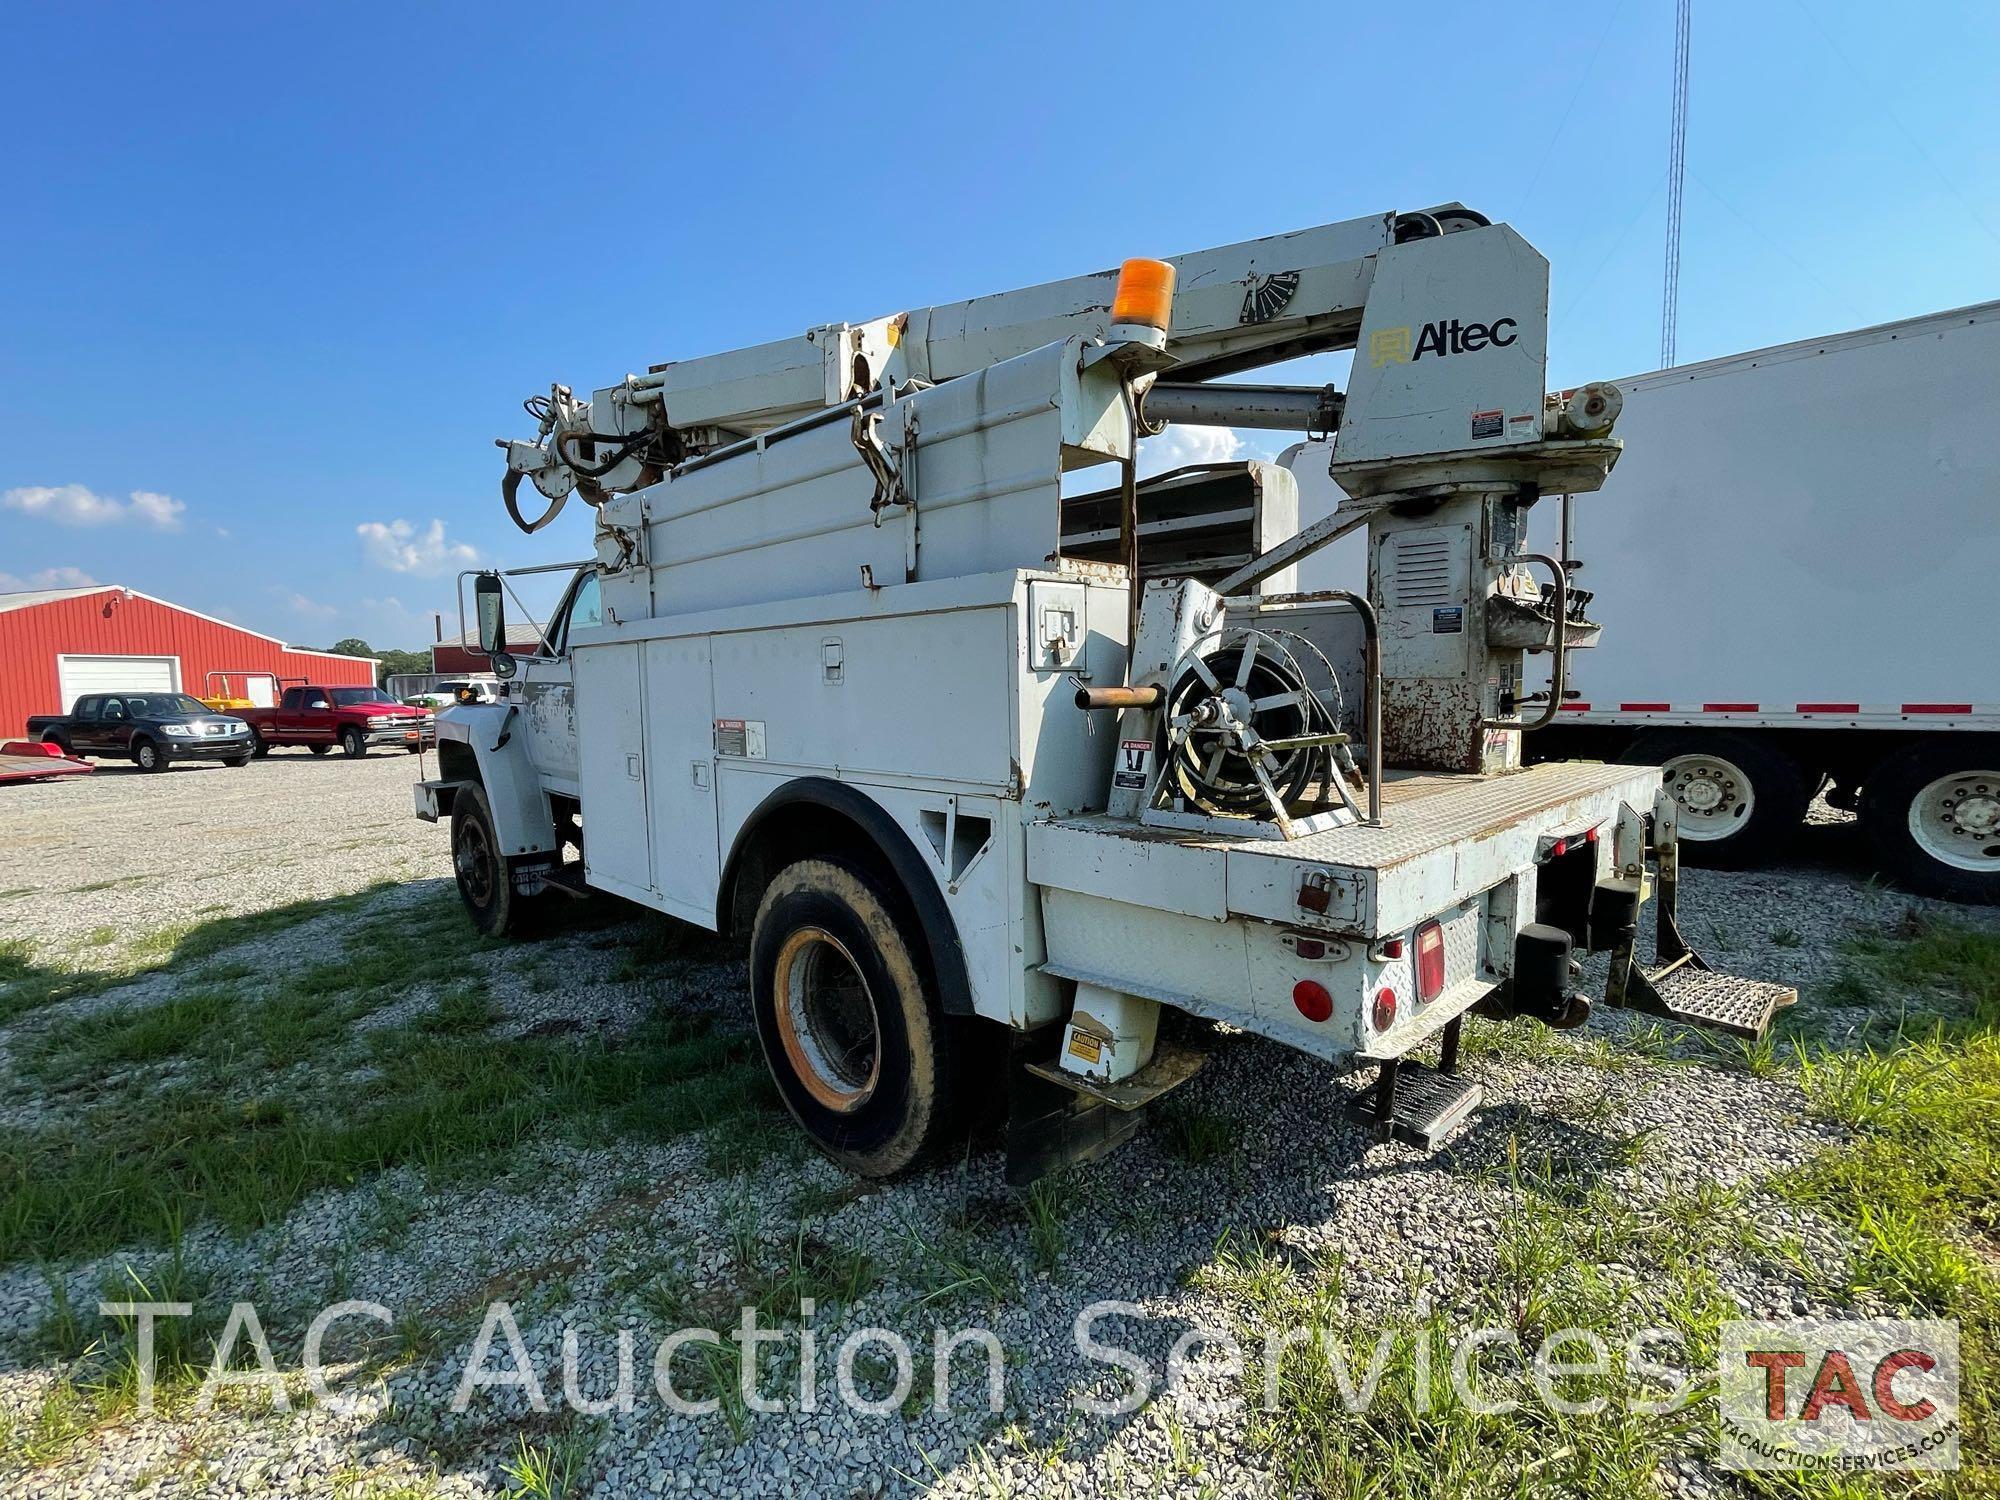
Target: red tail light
[(1430, 961), (1312, 999)]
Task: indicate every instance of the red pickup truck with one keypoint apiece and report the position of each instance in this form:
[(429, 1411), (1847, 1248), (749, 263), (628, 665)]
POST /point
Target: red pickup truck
[(354, 718)]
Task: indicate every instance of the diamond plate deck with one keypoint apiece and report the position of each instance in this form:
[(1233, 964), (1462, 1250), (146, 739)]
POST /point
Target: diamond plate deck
[(1422, 812), (1721, 1002)]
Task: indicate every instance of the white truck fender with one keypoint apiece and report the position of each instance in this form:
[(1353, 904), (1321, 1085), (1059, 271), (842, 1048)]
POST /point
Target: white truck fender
[(482, 743)]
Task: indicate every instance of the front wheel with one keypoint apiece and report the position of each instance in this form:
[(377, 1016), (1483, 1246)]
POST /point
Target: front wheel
[(1740, 799), (148, 756), (1933, 814), (352, 745), (485, 883), (860, 1053), (237, 760), (259, 746)]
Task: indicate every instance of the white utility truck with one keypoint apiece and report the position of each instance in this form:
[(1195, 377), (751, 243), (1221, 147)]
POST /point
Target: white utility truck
[(989, 775)]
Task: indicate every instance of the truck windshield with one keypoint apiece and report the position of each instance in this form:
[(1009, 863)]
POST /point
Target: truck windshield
[(156, 705), (349, 697)]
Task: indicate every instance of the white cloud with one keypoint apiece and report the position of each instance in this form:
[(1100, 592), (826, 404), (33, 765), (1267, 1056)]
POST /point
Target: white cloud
[(401, 548), (78, 505), (1180, 446), (299, 604), (47, 578)]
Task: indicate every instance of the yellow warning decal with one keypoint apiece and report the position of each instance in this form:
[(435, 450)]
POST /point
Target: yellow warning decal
[(1082, 1044)]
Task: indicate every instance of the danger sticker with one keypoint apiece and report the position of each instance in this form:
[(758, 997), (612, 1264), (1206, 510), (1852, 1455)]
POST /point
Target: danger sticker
[(740, 737), (1134, 757), (1488, 424)]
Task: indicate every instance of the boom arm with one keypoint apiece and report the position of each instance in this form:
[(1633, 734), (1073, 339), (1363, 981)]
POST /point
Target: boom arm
[(1235, 308)]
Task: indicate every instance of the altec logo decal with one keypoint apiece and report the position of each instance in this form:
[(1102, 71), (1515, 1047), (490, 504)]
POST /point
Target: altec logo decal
[(1442, 338), (1848, 1395)]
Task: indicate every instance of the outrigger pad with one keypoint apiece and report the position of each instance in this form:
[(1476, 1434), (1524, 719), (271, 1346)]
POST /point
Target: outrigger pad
[(1721, 1002)]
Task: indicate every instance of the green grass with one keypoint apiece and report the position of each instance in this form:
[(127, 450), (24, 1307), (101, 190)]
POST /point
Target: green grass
[(31, 978), (1194, 1134), (1918, 1185), (230, 1103)]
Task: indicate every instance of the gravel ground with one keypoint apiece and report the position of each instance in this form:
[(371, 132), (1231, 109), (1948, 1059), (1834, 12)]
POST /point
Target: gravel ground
[(572, 1235)]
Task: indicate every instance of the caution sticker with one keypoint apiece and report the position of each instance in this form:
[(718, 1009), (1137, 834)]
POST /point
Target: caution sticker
[(1085, 1047), (1134, 758), (740, 737), (1487, 424)]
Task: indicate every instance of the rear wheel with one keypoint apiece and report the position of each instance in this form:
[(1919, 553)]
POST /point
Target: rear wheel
[(148, 756), (352, 745), (860, 1052), (1933, 814), (61, 741), (320, 749), (1740, 798), (259, 746)]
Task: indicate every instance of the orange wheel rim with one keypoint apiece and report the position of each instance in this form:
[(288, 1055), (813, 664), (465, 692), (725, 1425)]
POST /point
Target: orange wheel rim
[(826, 1020)]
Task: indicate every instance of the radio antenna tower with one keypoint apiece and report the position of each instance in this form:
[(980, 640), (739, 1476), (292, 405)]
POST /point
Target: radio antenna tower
[(1670, 298)]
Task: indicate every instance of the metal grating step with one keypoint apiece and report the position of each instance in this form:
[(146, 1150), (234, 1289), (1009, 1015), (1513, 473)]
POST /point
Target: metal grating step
[(1429, 1105), (1721, 1002)]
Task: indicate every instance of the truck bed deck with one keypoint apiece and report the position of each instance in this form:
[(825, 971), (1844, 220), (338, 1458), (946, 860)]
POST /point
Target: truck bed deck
[(1443, 838)]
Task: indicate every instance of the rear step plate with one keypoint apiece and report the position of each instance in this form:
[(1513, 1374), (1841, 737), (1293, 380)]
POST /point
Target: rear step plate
[(1171, 1066), (1721, 1002), (1429, 1105)]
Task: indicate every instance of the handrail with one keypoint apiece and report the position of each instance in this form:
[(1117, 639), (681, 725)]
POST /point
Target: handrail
[(1558, 670)]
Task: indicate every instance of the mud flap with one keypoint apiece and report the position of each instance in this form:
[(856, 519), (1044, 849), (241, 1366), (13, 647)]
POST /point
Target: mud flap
[(1681, 987)]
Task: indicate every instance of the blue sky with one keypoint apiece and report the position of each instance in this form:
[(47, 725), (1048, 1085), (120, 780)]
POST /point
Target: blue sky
[(274, 277)]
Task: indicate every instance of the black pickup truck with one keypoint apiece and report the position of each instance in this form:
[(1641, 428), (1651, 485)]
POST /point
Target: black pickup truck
[(152, 730)]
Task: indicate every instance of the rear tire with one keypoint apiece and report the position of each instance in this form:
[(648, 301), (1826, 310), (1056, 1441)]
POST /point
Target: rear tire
[(320, 749), (860, 1052), (148, 756), (352, 745), (61, 742), (1932, 813), (259, 746), (1741, 800), (485, 878)]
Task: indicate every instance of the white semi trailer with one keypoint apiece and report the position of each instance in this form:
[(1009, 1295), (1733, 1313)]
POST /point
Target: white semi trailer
[(851, 676), (1793, 569)]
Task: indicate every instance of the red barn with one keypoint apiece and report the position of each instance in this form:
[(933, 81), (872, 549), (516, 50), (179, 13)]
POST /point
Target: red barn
[(57, 644)]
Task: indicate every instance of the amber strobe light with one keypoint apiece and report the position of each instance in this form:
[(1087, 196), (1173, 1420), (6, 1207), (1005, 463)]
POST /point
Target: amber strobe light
[(1145, 294)]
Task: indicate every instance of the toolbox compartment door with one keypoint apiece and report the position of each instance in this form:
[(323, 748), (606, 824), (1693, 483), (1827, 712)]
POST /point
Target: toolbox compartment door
[(611, 766)]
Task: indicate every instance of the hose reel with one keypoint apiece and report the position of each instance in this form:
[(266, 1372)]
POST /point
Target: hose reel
[(1246, 733)]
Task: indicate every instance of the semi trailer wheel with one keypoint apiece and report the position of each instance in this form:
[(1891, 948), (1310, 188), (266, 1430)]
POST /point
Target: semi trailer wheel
[(1740, 799), (485, 882), (860, 1053), (1932, 813)]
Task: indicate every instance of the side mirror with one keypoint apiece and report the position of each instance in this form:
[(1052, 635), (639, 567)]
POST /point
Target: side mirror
[(504, 666), (491, 612)]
